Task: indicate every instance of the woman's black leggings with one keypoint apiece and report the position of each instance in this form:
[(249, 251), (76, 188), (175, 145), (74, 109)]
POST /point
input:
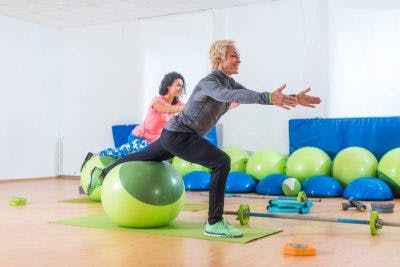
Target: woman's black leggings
[(192, 148)]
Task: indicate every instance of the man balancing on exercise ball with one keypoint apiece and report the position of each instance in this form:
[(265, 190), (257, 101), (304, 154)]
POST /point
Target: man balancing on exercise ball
[(183, 135)]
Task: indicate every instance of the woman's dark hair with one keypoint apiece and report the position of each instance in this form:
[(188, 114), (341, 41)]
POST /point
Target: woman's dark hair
[(167, 81)]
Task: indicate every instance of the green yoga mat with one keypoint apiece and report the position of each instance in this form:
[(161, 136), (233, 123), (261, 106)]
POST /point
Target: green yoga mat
[(176, 228), (195, 206), (189, 206), (82, 200)]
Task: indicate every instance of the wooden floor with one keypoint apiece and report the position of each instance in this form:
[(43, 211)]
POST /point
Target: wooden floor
[(28, 239)]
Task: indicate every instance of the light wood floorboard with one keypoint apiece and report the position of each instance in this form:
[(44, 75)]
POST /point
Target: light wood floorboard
[(28, 239)]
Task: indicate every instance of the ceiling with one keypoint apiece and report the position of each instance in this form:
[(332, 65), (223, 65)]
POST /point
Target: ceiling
[(75, 13)]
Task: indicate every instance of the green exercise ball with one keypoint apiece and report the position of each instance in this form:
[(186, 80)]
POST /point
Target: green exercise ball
[(239, 158), (352, 163), (306, 162), (389, 170), (143, 194), (184, 167), (265, 162), (99, 162)]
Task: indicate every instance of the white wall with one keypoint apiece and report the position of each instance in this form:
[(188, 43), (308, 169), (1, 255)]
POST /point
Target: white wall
[(29, 86), (364, 58), (75, 84), (281, 42), (269, 59), (110, 73), (101, 85), (175, 43)]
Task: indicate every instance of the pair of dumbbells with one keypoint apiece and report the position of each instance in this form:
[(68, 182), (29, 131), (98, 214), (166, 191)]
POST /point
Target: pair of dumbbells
[(354, 203), (381, 207)]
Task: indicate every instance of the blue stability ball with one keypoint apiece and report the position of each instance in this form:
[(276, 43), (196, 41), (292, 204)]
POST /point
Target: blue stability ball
[(239, 182), (196, 180), (271, 184), (368, 188), (322, 186)]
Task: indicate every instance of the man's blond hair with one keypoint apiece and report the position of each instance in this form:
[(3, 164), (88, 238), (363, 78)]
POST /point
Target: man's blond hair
[(218, 51)]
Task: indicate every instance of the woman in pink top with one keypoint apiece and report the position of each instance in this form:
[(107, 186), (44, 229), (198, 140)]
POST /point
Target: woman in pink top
[(162, 108)]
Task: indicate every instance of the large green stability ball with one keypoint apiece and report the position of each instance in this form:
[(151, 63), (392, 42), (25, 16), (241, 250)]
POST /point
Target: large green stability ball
[(352, 163), (265, 162), (389, 170), (99, 162), (184, 167), (143, 194), (308, 161), (239, 158)]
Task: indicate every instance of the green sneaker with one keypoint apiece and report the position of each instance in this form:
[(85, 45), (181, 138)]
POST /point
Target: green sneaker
[(95, 181), (222, 229), (87, 158)]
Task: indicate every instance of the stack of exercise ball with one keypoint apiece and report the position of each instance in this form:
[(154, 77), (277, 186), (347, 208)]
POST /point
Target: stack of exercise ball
[(197, 180), (356, 169), (267, 167), (143, 194), (306, 162), (265, 171), (271, 184), (239, 158), (311, 166), (389, 170), (238, 180), (184, 167), (265, 162), (195, 176), (368, 188), (322, 186), (354, 162)]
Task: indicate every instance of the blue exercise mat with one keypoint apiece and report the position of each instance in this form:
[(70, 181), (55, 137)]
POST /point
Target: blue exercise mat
[(121, 133), (377, 134)]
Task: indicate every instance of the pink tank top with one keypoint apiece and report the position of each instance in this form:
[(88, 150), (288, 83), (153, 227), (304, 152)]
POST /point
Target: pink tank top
[(150, 129)]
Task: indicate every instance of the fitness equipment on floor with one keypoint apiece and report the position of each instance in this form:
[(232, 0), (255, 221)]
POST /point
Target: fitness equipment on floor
[(17, 201), (301, 196), (354, 203), (383, 207), (243, 215), (291, 206), (299, 249)]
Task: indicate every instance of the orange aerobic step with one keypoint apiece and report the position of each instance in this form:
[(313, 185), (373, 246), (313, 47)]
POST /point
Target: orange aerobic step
[(299, 249)]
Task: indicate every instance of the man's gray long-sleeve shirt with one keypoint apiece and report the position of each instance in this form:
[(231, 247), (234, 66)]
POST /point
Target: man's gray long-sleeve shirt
[(210, 99)]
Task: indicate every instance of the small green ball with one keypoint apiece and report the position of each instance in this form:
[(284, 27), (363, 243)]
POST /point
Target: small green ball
[(291, 187)]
